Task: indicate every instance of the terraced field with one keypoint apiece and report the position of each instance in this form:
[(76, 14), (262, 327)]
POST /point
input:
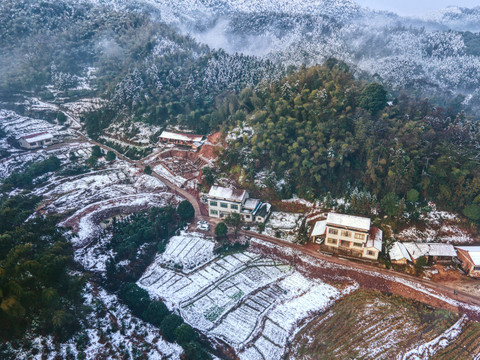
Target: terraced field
[(253, 304), (371, 325), (466, 346)]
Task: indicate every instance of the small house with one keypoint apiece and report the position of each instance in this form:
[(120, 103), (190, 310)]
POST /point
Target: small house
[(190, 140), (35, 141), (470, 258), (399, 254), (318, 233), (373, 247), (433, 252)]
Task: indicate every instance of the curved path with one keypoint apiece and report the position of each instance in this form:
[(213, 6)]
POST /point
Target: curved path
[(444, 290), (140, 165)]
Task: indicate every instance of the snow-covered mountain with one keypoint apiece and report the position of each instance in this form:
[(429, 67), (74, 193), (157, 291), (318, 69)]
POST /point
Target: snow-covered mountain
[(457, 18), (431, 56)]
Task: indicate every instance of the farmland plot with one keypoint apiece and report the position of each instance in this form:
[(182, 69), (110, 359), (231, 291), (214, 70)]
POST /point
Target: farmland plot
[(251, 303), (187, 251), (370, 325), (16, 125), (465, 346)]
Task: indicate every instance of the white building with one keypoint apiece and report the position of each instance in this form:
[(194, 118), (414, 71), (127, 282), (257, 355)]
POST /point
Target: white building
[(34, 141), (352, 234), (223, 201)]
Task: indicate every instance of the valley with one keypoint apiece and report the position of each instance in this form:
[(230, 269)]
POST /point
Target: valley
[(111, 242)]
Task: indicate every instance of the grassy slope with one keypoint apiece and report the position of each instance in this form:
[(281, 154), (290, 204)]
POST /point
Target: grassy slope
[(466, 346), (369, 325)]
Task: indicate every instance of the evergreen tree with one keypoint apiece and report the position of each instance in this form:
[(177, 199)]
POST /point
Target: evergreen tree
[(185, 210)]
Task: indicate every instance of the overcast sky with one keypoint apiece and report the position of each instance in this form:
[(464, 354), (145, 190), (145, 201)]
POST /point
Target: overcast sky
[(415, 7)]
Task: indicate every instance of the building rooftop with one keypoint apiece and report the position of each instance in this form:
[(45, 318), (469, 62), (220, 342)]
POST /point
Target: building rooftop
[(183, 137), (376, 239), (33, 138), (398, 252), (430, 249), (351, 221), (319, 228), (473, 251), (234, 195), (263, 210), (414, 251), (251, 204)]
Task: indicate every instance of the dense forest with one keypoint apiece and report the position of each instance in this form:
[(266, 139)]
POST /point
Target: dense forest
[(320, 131), (38, 292), (145, 69)]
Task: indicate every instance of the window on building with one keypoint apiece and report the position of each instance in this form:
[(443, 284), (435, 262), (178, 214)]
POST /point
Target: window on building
[(360, 236), (476, 268), (370, 253), (333, 231), (233, 206), (345, 233), (213, 212), (332, 241), (357, 245), (213, 203), (345, 243), (247, 216), (224, 205)]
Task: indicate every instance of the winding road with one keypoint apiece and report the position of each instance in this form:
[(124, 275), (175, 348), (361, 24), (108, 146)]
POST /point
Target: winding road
[(450, 293)]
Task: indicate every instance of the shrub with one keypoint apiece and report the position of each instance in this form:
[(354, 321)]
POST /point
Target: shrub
[(194, 351), (184, 334), (61, 117), (169, 325), (110, 156), (155, 313), (185, 210), (221, 230), (136, 298), (96, 151)]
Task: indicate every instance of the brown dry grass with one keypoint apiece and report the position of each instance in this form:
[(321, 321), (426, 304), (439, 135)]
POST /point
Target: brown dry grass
[(370, 325), (466, 346)]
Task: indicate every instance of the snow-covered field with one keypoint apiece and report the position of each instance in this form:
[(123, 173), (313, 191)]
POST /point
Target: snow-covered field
[(440, 226), (15, 126), (428, 349), (187, 251), (252, 303)]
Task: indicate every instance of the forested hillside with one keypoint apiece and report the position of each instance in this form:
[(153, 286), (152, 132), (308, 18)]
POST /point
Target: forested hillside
[(143, 67), (38, 292), (320, 131)]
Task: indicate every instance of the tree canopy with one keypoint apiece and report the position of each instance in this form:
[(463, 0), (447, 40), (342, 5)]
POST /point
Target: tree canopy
[(315, 133)]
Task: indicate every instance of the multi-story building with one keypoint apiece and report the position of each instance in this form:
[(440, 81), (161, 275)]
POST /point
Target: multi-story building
[(223, 201), (349, 233)]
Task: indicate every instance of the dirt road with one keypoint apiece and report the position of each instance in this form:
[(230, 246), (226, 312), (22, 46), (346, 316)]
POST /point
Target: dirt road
[(418, 285), (140, 165)]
